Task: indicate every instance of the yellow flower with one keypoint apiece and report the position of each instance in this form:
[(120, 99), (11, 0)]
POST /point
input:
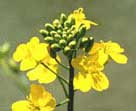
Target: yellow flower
[(38, 100), (90, 75), (80, 18), (33, 55), (108, 49), (85, 81)]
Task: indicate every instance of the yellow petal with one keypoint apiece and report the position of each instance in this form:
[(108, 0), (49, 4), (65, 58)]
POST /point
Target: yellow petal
[(83, 82), (40, 51), (114, 47), (34, 41), (20, 53), (41, 98), (100, 81), (21, 106), (119, 58), (50, 105), (102, 57), (28, 63), (42, 74), (88, 23)]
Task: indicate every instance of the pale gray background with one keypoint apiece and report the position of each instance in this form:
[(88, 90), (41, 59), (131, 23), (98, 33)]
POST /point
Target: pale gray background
[(21, 19)]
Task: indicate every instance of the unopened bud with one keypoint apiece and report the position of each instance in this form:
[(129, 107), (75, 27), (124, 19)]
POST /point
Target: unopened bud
[(89, 44), (49, 40), (82, 31), (72, 44), (63, 18), (67, 24), (56, 22), (67, 50), (44, 32), (52, 33), (49, 27), (57, 36), (62, 42), (70, 37), (55, 47), (4, 49), (72, 21)]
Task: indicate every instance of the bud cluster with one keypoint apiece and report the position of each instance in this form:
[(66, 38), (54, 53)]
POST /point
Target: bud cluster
[(63, 35)]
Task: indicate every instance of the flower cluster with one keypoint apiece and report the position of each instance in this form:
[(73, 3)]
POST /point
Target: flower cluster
[(64, 33), (90, 67), (67, 35)]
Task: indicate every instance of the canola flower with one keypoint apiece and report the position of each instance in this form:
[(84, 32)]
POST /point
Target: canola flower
[(80, 18), (66, 35), (108, 49), (38, 100), (31, 55), (90, 74)]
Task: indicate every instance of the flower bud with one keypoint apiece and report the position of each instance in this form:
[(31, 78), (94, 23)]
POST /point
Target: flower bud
[(67, 24), (72, 21), (44, 32), (56, 22), (4, 49), (49, 27), (70, 37), (49, 40), (55, 47), (62, 42), (81, 31), (89, 44), (67, 50), (63, 18), (52, 33), (59, 32), (72, 44), (57, 36)]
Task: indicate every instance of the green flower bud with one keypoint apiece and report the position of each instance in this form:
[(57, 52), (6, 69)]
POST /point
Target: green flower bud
[(67, 24), (67, 50), (81, 31), (4, 49), (72, 21), (64, 35), (49, 40), (59, 32), (62, 42), (49, 27), (55, 47), (57, 36), (63, 18), (89, 44), (56, 22), (72, 44), (44, 32), (70, 37), (52, 33)]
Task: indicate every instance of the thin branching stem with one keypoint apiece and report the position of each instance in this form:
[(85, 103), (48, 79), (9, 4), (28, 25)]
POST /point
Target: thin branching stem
[(63, 102), (63, 65)]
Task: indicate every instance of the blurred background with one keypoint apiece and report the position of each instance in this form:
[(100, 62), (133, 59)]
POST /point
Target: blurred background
[(22, 19)]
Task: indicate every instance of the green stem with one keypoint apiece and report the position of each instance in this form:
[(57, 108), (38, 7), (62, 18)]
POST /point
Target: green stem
[(63, 86), (71, 87), (64, 66), (59, 76), (63, 102)]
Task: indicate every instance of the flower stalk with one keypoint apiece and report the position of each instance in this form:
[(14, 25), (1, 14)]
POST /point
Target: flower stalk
[(71, 87)]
